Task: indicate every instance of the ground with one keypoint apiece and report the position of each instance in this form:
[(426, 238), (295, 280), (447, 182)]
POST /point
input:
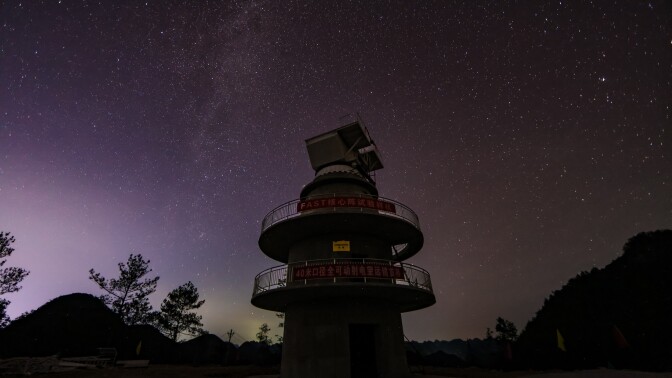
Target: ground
[(182, 371)]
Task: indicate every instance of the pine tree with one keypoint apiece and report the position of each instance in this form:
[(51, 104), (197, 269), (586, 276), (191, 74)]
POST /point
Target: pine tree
[(281, 316), (506, 330), (262, 335), (128, 295), (9, 277), (176, 316)]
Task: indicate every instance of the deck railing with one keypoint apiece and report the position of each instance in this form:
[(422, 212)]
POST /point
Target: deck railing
[(332, 271), (290, 209)]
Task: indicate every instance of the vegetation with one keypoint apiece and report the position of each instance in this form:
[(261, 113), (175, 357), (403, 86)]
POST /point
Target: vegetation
[(10, 277), (506, 330), (614, 316), (128, 295), (77, 324), (262, 335), (488, 334), (281, 325), (176, 316)]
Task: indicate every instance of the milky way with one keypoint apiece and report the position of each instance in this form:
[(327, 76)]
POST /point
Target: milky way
[(532, 140)]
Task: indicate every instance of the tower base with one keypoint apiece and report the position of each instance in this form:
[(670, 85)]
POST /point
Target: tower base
[(343, 338)]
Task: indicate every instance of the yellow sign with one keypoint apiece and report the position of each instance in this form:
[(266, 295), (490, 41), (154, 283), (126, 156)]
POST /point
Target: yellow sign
[(341, 246)]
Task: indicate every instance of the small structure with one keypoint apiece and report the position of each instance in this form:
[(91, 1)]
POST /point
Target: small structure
[(344, 285)]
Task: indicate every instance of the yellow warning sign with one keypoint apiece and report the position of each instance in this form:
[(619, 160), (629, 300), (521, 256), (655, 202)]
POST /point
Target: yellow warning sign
[(341, 246)]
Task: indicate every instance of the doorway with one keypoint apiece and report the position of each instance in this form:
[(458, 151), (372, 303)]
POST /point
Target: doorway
[(363, 362)]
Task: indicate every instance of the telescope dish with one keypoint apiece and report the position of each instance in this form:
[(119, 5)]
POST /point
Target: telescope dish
[(350, 145)]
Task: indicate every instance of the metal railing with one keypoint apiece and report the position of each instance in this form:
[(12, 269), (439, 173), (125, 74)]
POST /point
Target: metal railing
[(283, 275), (289, 209)]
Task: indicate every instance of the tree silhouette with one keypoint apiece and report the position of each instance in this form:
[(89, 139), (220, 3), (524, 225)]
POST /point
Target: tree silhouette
[(176, 316), (617, 315), (281, 316), (488, 334), (506, 330), (128, 295), (10, 277), (262, 335)]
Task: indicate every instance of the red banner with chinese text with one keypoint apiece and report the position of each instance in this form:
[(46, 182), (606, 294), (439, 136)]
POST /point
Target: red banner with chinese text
[(347, 270), (367, 203)]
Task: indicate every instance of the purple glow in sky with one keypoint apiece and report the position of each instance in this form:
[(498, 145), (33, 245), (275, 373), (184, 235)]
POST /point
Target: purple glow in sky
[(531, 140)]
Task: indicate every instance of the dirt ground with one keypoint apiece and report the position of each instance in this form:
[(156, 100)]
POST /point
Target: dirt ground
[(165, 371), (484, 373), (182, 371)]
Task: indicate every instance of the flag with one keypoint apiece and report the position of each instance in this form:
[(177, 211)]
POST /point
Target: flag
[(561, 341), (508, 352), (619, 339), (137, 349)]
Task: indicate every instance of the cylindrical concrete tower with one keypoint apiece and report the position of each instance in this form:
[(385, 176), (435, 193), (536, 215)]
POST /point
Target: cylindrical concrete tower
[(345, 284)]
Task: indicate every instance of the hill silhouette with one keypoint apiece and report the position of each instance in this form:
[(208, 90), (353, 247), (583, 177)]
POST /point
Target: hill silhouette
[(76, 325), (455, 353), (206, 349), (616, 316)]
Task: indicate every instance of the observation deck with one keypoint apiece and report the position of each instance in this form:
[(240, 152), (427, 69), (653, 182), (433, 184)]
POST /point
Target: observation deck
[(406, 285), (387, 219)]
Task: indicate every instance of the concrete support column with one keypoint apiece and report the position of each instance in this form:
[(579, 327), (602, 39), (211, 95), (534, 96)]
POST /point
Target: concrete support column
[(338, 337)]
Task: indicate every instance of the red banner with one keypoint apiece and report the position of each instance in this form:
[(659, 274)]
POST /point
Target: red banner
[(346, 270), (368, 203)]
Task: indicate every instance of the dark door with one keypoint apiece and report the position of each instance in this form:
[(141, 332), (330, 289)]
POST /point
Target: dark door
[(363, 351)]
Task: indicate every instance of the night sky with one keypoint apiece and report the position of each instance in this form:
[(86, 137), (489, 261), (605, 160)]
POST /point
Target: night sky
[(531, 138)]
